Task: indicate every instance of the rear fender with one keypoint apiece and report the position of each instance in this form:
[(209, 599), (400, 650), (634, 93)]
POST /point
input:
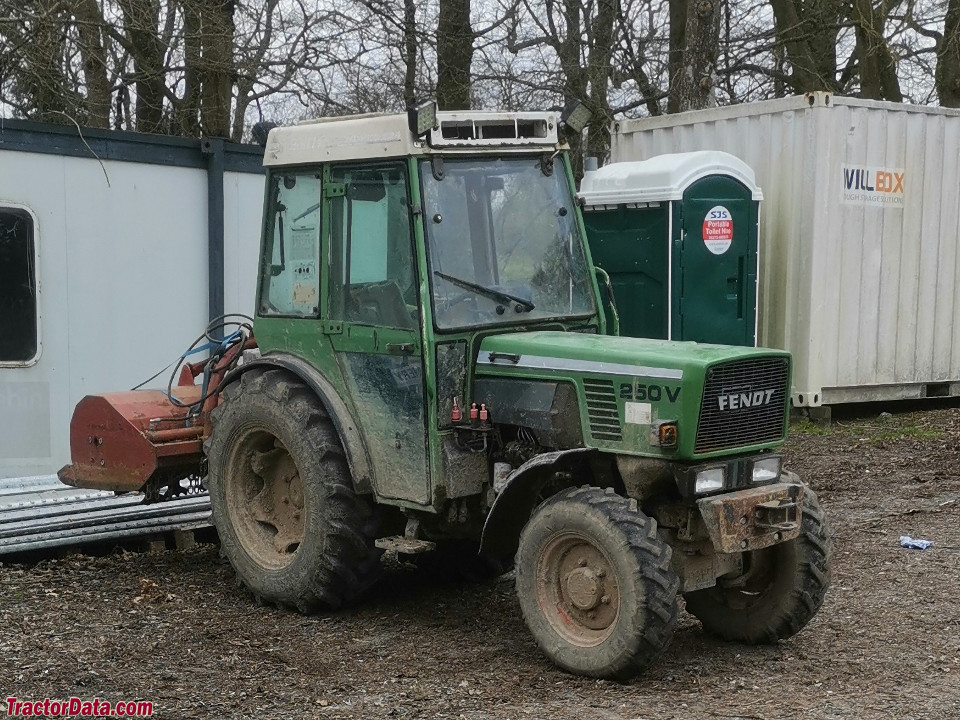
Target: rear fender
[(512, 508), (356, 451)]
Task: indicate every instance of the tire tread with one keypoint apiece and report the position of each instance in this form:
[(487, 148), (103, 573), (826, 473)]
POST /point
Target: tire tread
[(348, 564)]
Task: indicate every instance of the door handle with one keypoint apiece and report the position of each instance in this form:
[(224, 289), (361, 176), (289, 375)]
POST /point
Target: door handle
[(401, 348)]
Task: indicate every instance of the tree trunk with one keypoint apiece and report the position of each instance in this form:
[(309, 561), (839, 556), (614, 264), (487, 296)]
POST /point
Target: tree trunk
[(454, 54), (41, 77), (599, 69), (808, 35), (188, 108), (693, 78), (878, 68), (947, 76), (140, 19), (410, 52), (217, 88), (90, 29)]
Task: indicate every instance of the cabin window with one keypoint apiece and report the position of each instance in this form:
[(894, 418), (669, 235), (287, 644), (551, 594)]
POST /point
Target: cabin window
[(291, 262), (18, 287), (372, 278)]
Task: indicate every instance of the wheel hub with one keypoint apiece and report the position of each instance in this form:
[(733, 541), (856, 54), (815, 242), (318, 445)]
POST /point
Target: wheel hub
[(265, 496), (576, 577), (583, 587)]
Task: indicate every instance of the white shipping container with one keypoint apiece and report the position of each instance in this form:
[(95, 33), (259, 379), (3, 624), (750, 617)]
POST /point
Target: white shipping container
[(859, 260)]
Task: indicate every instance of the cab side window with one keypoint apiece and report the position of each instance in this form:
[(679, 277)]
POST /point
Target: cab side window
[(291, 263), (372, 275)]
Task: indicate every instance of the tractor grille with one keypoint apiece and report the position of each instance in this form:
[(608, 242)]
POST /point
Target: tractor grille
[(602, 410), (744, 403)]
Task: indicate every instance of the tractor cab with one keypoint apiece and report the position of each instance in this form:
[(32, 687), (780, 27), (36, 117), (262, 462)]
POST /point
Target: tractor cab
[(388, 257)]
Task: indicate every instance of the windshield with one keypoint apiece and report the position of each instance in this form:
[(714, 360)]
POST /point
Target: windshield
[(503, 243)]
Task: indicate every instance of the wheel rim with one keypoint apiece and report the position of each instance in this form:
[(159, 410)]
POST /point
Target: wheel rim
[(264, 496), (577, 589)]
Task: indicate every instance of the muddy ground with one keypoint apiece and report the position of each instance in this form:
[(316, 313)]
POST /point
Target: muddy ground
[(173, 628)]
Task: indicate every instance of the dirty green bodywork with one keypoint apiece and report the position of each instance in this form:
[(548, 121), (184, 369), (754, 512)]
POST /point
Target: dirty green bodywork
[(406, 431), (666, 375)]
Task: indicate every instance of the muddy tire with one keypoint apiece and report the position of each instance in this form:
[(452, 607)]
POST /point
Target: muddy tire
[(283, 502), (595, 583), (781, 590)]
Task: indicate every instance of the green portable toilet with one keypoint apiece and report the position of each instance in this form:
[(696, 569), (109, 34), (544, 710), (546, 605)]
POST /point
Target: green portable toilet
[(678, 236)]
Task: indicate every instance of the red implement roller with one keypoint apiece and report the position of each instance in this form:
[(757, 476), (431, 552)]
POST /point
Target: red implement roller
[(140, 441), (120, 441)]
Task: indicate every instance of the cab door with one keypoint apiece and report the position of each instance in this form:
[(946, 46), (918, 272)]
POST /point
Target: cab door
[(373, 322)]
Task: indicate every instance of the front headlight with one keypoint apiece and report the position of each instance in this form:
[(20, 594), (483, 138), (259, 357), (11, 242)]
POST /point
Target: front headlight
[(709, 480), (766, 470)]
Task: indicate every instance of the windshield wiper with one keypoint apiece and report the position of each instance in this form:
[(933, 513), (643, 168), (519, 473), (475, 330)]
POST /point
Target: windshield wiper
[(491, 293)]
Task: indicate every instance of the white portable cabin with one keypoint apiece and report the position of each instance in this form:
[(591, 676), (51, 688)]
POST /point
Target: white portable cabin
[(123, 246), (860, 267)]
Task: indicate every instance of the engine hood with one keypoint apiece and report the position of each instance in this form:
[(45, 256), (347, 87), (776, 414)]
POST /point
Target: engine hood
[(725, 399), (578, 353)]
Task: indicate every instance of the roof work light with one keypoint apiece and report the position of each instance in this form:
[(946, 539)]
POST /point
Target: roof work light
[(576, 116), (422, 118)]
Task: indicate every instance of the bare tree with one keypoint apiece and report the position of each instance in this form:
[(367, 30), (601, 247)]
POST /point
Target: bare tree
[(877, 66), (807, 31), (694, 44), (454, 54)]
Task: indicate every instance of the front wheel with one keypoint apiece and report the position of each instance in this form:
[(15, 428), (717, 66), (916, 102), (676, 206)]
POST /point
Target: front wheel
[(781, 590), (595, 583)]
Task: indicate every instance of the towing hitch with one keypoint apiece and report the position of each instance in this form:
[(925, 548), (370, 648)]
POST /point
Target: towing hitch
[(777, 515), (753, 519)]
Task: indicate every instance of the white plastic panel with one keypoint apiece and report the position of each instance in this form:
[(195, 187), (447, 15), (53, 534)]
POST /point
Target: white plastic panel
[(859, 283), (123, 283), (662, 178)]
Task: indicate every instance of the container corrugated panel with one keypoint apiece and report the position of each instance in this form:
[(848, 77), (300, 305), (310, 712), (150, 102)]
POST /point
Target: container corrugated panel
[(858, 235)]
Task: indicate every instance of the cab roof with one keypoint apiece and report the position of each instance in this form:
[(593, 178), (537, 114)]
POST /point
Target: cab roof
[(373, 136)]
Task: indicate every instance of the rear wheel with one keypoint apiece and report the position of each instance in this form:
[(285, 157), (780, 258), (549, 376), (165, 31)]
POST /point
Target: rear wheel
[(781, 590), (283, 502), (595, 583)]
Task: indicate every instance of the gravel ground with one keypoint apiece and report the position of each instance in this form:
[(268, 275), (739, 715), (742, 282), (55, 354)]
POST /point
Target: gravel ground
[(172, 627)]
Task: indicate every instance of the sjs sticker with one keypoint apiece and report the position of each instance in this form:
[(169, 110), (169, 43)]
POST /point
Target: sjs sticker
[(718, 230)]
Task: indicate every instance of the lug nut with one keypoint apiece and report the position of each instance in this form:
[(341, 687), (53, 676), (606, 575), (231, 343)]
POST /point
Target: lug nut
[(776, 536), (743, 543), (743, 520), (605, 599)]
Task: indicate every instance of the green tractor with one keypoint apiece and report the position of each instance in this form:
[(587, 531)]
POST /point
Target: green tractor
[(433, 372)]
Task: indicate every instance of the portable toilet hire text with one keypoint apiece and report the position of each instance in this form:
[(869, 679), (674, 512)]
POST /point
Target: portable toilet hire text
[(678, 236)]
